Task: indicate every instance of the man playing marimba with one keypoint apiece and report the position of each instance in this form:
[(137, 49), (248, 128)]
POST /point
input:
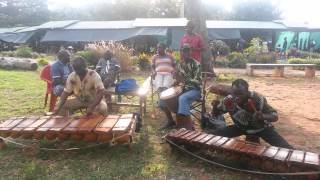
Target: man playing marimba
[(86, 86), (188, 73), (251, 114)]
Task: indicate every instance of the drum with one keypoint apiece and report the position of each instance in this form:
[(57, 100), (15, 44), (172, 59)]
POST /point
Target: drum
[(170, 97)]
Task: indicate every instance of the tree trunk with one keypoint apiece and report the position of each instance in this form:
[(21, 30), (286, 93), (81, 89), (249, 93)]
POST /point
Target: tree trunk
[(18, 63), (196, 12)]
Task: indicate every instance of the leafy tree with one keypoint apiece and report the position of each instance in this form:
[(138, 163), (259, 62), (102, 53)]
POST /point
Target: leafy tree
[(23, 12), (255, 10), (195, 12), (164, 9)]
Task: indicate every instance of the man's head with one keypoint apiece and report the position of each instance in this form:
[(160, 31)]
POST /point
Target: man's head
[(64, 56), (240, 91), (186, 51), (79, 66), (161, 48), (108, 54), (190, 27)]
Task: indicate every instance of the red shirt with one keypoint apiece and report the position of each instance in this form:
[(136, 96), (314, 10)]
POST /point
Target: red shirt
[(195, 41)]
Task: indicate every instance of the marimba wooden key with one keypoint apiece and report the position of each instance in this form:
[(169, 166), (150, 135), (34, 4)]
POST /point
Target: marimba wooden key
[(86, 128), (269, 158)]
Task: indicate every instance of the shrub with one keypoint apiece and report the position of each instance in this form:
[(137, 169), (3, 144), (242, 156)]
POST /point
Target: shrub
[(89, 56), (120, 52), (43, 61), (24, 51), (222, 62), (255, 46), (236, 60), (144, 62), (11, 53), (221, 47), (305, 61), (176, 56)]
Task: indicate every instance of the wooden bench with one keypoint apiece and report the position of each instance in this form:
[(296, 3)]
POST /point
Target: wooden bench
[(310, 69), (141, 93)]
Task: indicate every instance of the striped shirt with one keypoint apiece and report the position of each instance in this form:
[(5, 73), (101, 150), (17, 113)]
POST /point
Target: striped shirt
[(163, 64)]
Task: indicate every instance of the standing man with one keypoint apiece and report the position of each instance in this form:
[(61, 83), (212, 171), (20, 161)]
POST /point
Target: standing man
[(108, 68), (88, 89), (189, 75), (284, 48), (251, 114), (194, 40), (162, 68), (60, 71)]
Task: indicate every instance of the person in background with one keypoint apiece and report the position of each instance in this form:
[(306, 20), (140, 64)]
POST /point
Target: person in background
[(195, 42), (60, 71), (108, 68), (241, 45), (284, 48), (312, 45), (88, 89), (71, 50), (251, 114), (188, 73), (162, 68)]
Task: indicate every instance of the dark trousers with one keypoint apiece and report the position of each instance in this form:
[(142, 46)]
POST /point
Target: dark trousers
[(269, 135)]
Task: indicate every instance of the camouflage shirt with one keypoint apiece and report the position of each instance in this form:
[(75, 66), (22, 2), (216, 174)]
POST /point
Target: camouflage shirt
[(191, 72), (242, 116)]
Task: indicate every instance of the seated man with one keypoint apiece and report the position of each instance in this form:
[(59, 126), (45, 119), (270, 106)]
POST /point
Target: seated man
[(162, 68), (188, 73), (251, 114), (86, 86), (60, 71), (108, 69)]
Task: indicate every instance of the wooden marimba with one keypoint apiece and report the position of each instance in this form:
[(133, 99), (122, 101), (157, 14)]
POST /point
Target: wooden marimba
[(113, 128), (268, 158)]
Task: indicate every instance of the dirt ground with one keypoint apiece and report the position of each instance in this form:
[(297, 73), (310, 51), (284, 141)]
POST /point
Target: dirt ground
[(297, 101)]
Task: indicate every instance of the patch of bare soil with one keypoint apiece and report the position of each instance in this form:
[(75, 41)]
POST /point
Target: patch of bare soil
[(298, 105)]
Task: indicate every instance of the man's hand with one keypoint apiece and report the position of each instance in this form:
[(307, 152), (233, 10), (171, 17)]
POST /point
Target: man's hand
[(258, 115)]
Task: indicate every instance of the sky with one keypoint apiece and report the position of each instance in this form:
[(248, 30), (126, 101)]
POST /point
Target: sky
[(292, 10)]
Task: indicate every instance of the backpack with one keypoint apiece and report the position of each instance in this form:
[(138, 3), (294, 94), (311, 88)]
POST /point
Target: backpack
[(126, 85)]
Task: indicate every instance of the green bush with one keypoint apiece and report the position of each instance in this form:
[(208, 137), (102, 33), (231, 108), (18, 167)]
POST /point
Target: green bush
[(43, 61), (236, 60), (90, 57), (176, 55), (144, 62), (24, 51), (305, 61)]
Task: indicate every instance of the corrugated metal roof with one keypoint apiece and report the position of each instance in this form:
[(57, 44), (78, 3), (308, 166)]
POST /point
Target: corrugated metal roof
[(50, 25), (244, 25), (160, 22), (101, 25), (292, 24), (10, 30), (57, 24)]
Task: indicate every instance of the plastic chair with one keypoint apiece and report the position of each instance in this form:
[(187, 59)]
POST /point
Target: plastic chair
[(45, 75)]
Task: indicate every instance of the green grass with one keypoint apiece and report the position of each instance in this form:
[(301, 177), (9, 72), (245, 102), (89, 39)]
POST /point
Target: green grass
[(22, 93)]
